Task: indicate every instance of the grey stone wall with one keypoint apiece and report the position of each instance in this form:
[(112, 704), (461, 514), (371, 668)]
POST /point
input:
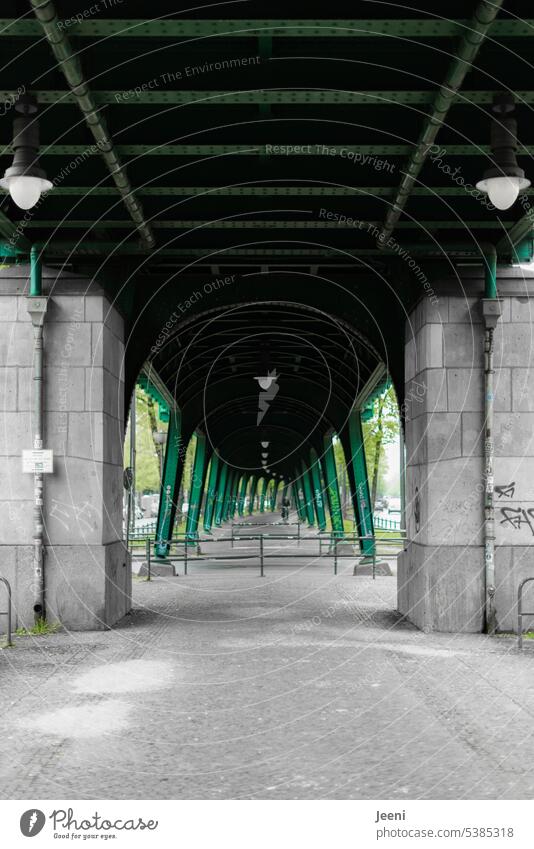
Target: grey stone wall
[(86, 567), (441, 573)]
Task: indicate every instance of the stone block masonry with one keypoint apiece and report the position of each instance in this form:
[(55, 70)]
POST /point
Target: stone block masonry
[(441, 572), (87, 571)]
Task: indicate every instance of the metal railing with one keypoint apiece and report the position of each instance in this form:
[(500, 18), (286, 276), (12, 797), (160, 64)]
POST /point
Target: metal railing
[(8, 612), (521, 612), (235, 536), (182, 545)]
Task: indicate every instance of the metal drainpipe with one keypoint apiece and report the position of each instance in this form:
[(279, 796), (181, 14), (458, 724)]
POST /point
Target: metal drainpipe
[(36, 305), (491, 311)]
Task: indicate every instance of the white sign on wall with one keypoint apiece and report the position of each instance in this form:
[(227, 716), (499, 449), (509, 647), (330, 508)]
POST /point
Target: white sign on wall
[(38, 460)]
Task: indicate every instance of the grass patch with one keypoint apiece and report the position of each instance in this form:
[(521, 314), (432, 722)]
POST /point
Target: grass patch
[(41, 628)]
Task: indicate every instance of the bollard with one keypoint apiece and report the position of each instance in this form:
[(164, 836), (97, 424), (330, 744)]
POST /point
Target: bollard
[(148, 563), (9, 642)]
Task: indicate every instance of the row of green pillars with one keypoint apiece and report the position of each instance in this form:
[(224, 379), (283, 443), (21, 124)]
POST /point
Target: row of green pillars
[(315, 488)]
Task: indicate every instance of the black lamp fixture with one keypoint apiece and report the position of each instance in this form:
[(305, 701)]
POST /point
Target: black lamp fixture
[(505, 179), (24, 180)]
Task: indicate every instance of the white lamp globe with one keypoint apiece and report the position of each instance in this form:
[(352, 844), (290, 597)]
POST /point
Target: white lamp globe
[(25, 190), (503, 191)]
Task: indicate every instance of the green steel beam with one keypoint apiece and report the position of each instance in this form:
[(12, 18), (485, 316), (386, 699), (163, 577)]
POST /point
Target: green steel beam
[(274, 493), (318, 491), (359, 483), (275, 149), (211, 493), (242, 495), (243, 223), (86, 26), (264, 484), (68, 62), (273, 97), (266, 191), (297, 499), (447, 95), (332, 487), (252, 494), (197, 487), (308, 494), (170, 484), (222, 482), (232, 505)]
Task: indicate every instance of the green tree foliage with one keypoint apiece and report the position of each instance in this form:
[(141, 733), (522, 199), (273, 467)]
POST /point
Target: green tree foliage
[(381, 430), (147, 460)]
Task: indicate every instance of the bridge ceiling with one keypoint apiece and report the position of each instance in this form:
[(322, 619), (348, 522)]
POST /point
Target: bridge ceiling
[(247, 137)]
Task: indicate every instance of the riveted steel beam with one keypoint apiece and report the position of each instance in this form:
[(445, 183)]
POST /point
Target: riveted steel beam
[(69, 63)]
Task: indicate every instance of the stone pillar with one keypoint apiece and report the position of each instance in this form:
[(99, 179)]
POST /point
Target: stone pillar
[(87, 570), (441, 572)]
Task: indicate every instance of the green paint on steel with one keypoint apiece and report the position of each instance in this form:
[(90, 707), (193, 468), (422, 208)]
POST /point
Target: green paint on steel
[(196, 490), (298, 502), (252, 494), (489, 256), (264, 483), (242, 495), (267, 191), (332, 488), (87, 26), (283, 148), (220, 494), (36, 286), (308, 494), (274, 492), (318, 491), (163, 408), (211, 492), (361, 498), (259, 224), (169, 485), (274, 97)]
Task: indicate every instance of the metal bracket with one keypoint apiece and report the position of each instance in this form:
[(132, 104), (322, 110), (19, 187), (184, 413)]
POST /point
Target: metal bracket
[(491, 311), (37, 306)]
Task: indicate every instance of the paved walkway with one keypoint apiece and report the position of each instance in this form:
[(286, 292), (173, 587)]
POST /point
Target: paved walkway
[(299, 685)]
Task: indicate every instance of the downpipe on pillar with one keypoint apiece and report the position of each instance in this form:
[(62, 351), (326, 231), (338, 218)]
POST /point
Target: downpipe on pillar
[(36, 306), (491, 312)]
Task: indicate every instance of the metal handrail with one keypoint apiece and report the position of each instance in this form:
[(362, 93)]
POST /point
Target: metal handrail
[(521, 612), (262, 539), (8, 612)]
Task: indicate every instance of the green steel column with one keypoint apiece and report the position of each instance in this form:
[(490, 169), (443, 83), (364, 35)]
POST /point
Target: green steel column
[(233, 501), (332, 487), (318, 496), (308, 495), (230, 497), (274, 493), (252, 494), (219, 497), (242, 494), (361, 496), (210, 493), (197, 488), (298, 503), (170, 484), (264, 483)]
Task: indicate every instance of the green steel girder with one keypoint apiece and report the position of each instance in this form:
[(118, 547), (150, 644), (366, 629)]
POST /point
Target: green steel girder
[(147, 384), (264, 485), (274, 492), (87, 26), (318, 490), (172, 473), (301, 512), (222, 482), (267, 191), (332, 487), (242, 495), (242, 223), (197, 488), (252, 494), (359, 481), (273, 97), (308, 494), (282, 149), (211, 490)]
